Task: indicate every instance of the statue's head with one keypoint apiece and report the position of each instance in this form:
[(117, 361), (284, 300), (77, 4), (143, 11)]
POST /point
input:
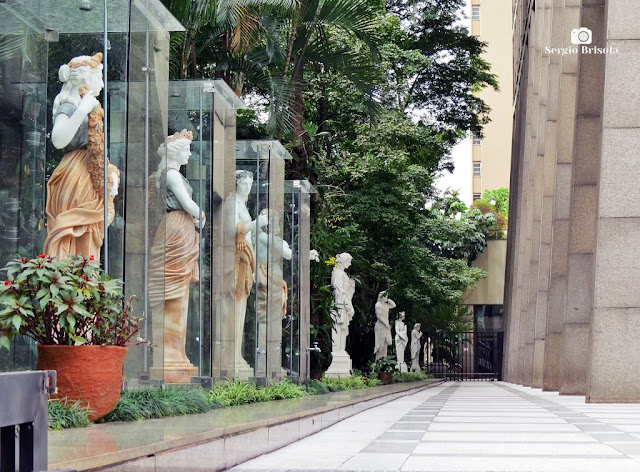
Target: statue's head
[(176, 147), (244, 181), (343, 260), (382, 296), (274, 220), (81, 71), (401, 315), (416, 327)]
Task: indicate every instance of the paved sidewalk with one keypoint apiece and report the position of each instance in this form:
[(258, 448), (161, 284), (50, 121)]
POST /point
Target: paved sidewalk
[(472, 427)]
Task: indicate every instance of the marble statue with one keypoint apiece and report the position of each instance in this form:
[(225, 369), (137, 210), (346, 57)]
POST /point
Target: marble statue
[(314, 255), (416, 336), (343, 290), (402, 340), (244, 266), (174, 260), (382, 329), (75, 190), (428, 352), (270, 248)]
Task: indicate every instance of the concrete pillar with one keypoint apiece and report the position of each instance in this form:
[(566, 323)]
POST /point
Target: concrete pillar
[(614, 363), (546, 153), (557, 295), (582, 217)]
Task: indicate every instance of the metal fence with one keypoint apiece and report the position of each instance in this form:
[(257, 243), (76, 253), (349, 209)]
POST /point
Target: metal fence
[(23, 420), (464, 355)]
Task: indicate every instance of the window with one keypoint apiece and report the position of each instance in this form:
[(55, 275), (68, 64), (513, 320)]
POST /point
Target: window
[(477, 140), (477, 169), (476, 196), (475, 12)]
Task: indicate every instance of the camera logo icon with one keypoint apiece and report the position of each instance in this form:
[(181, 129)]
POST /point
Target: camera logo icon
[(581, 36)]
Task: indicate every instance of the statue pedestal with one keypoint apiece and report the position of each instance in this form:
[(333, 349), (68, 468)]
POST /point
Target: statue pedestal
[(340, 367), (243, 370), (402, 367), (174, 372)]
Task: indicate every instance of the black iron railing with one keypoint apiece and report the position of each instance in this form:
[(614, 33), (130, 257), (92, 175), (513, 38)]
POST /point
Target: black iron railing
[(464, 355)]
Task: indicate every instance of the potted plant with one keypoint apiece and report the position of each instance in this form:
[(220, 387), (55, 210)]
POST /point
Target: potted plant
[(384, 368), (80, 319)]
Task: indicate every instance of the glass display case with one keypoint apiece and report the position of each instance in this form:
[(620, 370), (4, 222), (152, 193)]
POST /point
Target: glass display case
[(52, 195), (258, 303), (186, 255), (295, 325)]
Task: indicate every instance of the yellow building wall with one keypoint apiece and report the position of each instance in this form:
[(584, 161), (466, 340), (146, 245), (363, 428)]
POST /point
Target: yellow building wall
[(493, 261), (495, 28)]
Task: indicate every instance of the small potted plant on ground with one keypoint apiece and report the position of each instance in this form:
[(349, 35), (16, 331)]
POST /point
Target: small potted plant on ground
[(80, 319), (384, 368)]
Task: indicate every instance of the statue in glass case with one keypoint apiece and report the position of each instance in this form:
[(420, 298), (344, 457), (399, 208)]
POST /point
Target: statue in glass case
[(174, 259), (270, 247), (75, 191), (245, 262)]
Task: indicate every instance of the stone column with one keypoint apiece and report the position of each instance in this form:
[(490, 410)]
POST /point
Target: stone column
[(557, 295), (614, 364), (582, 217)]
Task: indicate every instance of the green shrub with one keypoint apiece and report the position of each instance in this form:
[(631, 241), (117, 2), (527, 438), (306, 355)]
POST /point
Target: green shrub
[(281, 390), (400, 377), (143, 403), (64, 414)]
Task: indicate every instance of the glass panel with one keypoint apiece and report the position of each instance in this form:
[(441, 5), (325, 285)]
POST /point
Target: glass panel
[(37, 38), (260, 303), (295, 327), (23, 125)]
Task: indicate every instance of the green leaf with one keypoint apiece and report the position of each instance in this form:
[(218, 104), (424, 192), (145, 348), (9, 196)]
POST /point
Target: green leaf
[(4, 342), (71, 320), (17, 321), (54, 290), (42, 292), (44, 301)]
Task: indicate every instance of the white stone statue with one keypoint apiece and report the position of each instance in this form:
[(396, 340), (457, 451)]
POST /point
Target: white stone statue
[(343, 291), (382, 329), (75, 191), (314, 255), (174, 261), (244, 265), (416, 336), (270, 248), (428, 352), (402, 340)]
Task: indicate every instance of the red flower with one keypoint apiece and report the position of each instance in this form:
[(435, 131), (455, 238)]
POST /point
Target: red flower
[(6, 282), (41, 256), (91, 257)]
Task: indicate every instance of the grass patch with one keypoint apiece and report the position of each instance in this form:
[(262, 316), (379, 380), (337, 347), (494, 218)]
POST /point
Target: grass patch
[(401, 377), (144, 403), (237, 392), (65, 414)]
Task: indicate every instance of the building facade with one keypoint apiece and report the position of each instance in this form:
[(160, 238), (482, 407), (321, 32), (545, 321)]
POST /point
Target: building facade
[(490, 21), (572, 306)]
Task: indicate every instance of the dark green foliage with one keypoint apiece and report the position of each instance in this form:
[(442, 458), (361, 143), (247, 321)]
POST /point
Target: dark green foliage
[(64, 414), (145, 403), (384, 364), (401, 377)]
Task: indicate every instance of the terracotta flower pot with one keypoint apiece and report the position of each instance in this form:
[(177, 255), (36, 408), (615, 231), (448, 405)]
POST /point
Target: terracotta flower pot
[(385, 377), (89, 374)]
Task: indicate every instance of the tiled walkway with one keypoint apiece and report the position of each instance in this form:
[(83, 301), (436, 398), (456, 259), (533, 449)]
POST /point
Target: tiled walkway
[(472, 427)]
